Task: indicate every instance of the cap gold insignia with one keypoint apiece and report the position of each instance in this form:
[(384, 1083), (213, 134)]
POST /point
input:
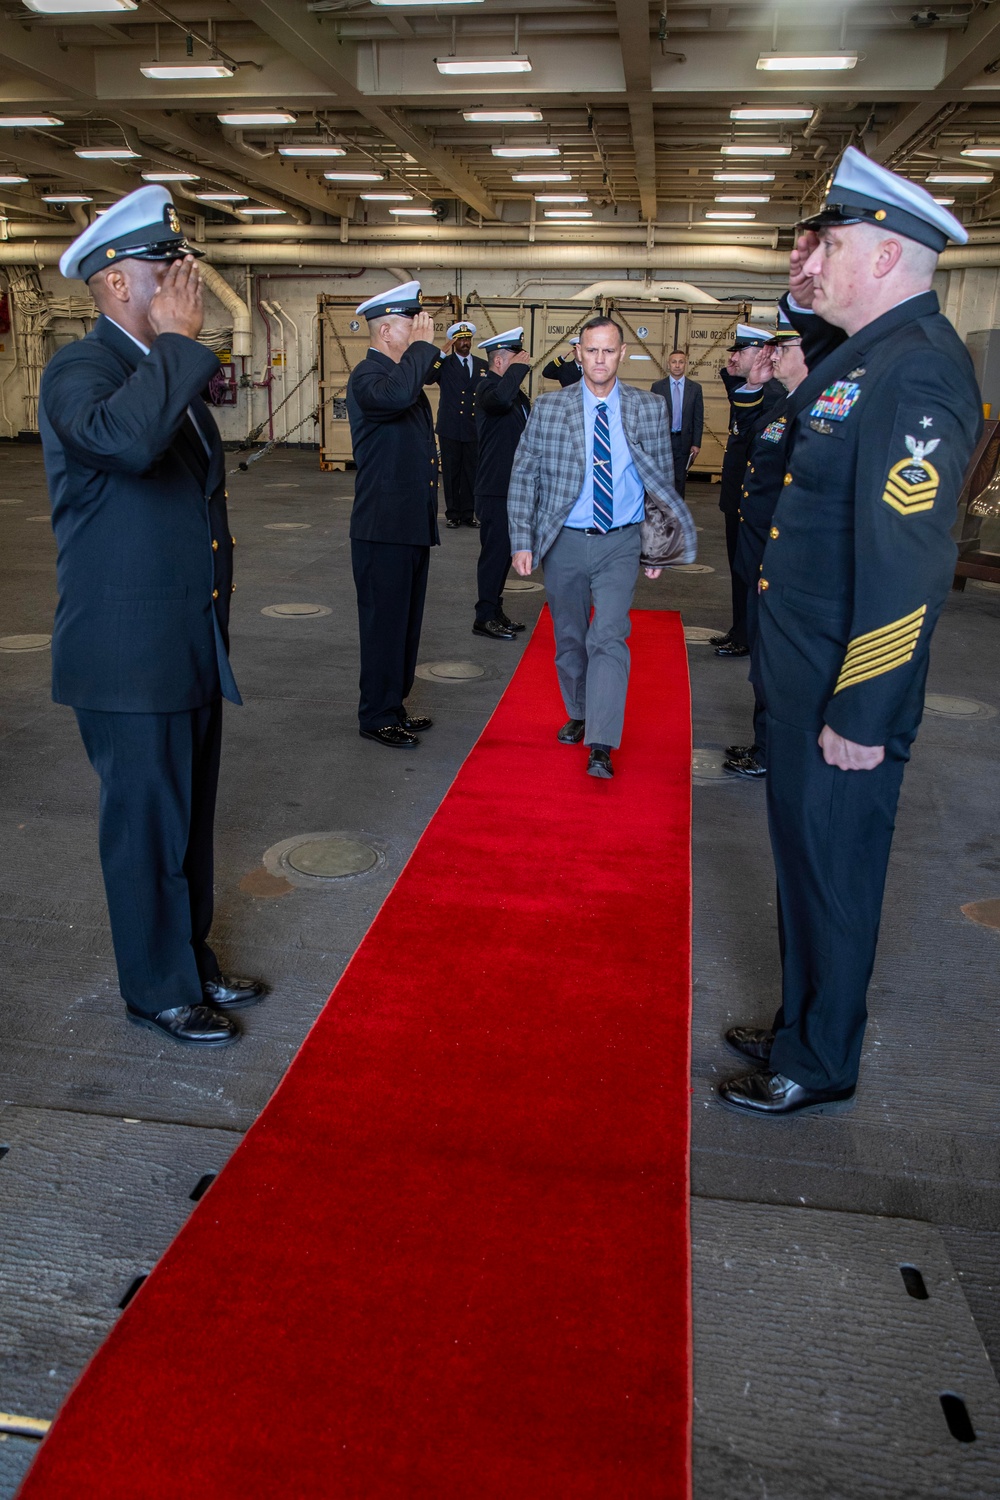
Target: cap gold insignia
[(173, 220), (880, 214), (111, 252), (420, 299)]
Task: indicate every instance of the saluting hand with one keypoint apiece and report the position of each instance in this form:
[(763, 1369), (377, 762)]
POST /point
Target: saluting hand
[(762, 368), (800, 285), (421, 329), (521, 358), (177, 305)]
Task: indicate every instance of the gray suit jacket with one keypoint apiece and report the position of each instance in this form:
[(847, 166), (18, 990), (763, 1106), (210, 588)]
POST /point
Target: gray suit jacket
[(548, 475)]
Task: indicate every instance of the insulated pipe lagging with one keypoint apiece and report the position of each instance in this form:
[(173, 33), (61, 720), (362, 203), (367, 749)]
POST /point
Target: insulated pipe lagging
[(234, 305)]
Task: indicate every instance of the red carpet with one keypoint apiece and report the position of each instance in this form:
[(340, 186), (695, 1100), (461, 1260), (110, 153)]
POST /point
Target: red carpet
[(451, 1258)]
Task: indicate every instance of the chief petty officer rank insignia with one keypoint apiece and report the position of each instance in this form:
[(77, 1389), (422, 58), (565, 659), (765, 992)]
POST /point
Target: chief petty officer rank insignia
[(912, 483)]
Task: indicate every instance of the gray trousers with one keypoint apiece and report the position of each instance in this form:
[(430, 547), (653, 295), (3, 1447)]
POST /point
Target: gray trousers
[(592, 659)]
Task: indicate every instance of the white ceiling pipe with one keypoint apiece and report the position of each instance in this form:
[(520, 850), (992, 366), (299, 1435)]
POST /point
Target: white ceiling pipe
[(547, 232), (587, 257), (234, 305), (674, 291)]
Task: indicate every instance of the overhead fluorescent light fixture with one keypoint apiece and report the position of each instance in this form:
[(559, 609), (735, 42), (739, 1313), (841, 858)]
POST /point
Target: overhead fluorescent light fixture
[(561, 198), (946, 202), (502, 116), (568, 213), (170, 177), (29, 122), (742, 176), (983, 152), (770, 116), (736, 149), (354, 176), (168, 71), (730, 217), (806, 62), (78, 7), (648, 358), (742, 198), (312, 151), (960, 179), (463, 67), (222, 197), (510, 151), (257, 117), (105, 153), (264, 213), (10, 180), (415, 213), (66, 198), (387, 197), (541, 177)]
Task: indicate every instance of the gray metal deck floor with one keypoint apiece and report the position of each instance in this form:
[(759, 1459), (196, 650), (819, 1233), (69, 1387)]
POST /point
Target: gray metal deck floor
[(920, 1145)]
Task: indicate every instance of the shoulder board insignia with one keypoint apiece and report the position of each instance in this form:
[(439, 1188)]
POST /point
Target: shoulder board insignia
[(837, 400), (774, 431)]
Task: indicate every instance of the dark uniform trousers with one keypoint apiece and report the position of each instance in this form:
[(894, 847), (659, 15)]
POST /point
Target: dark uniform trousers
[(494, 556), (158, 776), (390, 638), (458, 475)]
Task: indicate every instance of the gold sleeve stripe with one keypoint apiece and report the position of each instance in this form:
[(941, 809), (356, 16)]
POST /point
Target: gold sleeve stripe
[(747, 404), (879, 651), (884, 630), (866, 653)]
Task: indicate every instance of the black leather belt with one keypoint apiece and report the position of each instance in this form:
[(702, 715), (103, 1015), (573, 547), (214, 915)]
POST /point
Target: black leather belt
[(596, 530)]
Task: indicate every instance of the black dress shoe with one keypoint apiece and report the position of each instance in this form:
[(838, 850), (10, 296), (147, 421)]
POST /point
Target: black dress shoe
[(493, 629), (732, 648), (191, 1025), (747, 766), (736, 752), (599, 764), (231, 992), (507, 624), (720, 640), (472, 522), (751, 1041), (418, 725), (392, 735), (774, 1094), (452, 525), (572, 732)]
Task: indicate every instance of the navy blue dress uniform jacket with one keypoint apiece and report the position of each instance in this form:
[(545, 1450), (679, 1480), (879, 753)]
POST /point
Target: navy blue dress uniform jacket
[(456, 411), (860, 558), (566, 370), (392, 430), (139, 513), (501, 413), (745, 410)]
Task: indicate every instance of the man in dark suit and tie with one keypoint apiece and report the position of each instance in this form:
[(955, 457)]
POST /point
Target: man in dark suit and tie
[(457, 373), (394, 518), (686, 404), (140, 642)]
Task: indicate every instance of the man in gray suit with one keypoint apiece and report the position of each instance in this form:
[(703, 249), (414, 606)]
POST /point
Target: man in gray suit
[(594, 462), (686, 404)]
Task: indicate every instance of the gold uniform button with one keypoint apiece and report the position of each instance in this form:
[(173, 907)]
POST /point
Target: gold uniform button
[(232, 589), (215, 545), (775, 533), (788, 478), (764, 584), (233, 540), (215, 593)]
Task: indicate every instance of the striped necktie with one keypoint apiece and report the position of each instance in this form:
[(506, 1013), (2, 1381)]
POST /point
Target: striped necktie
[(604, 489)]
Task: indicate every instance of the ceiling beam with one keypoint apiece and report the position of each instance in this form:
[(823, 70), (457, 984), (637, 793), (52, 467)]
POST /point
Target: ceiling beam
[(633, 32), (37, 54), (32, 207), (303, 35), (232, 184), (212, 147), (969, 52)]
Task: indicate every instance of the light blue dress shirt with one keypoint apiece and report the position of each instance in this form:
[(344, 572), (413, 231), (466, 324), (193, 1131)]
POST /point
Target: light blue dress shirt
[(630, 492)]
